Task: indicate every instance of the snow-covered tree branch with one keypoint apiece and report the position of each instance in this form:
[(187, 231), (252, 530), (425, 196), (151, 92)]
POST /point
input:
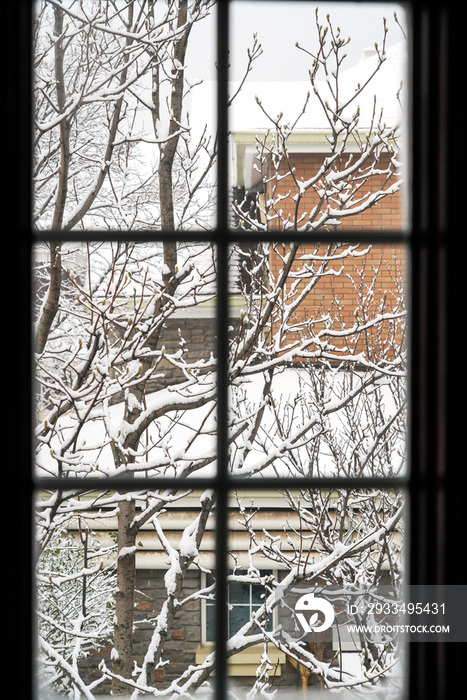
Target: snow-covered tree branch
[(126, 366)]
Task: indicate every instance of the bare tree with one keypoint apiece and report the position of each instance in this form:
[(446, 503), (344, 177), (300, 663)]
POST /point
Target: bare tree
[(116, 397)]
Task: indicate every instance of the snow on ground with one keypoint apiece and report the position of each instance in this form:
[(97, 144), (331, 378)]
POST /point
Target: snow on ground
[(181, 438)]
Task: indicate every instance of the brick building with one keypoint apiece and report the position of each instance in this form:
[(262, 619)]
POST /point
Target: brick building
[(280, 178)]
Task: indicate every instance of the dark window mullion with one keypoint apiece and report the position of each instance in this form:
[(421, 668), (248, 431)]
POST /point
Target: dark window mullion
[(222, 309), (431, 179)]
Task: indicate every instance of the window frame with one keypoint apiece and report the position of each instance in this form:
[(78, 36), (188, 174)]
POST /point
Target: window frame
[(435, 485)]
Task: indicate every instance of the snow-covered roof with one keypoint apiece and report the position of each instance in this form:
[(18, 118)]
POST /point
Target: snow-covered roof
[(248, 119), (288, 97)]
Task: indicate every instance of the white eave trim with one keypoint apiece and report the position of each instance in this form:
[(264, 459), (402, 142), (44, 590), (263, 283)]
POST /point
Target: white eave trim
[(244, 148)]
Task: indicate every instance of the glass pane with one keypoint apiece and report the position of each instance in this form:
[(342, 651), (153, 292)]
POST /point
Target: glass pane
[(125, 368), (318, 356), (122, 588), (319, 134), (239, 615), (239, 593), (124, 116), (328, 560), (258, 592), (210, 622)]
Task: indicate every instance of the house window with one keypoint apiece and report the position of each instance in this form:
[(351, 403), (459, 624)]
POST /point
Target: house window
[(244, 599), (434, 489)]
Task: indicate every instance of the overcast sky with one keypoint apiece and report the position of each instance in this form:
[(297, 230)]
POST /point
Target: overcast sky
[(280, 24)]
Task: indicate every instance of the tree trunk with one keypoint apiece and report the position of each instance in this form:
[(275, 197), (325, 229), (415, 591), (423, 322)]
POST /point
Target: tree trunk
[(124, 599)]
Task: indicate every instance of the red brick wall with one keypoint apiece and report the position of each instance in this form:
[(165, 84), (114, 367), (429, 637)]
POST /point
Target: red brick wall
[(365, 287), (386, 214)]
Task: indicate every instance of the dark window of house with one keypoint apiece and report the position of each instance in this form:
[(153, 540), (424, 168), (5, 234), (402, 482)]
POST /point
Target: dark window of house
[(243, 600)]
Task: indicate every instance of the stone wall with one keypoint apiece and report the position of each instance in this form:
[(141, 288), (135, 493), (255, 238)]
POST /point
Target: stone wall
[(195, 336), (184, 635), (183, 638)]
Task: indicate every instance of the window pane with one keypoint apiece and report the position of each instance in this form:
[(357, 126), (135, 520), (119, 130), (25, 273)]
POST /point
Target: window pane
[(239, 593), (318, 127), (238, 616), (318, 351), (122, 589), (125, 371), (122, 138), (156, 579), (210, 622), (258, 592), (317, 553)]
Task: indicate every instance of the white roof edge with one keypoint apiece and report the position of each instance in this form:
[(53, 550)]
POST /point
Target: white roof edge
[(300, 141)]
